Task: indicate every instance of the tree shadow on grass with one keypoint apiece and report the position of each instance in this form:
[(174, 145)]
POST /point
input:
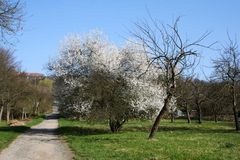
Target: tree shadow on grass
[(196, 129), (182, 129), (81, 131), (84, 131)]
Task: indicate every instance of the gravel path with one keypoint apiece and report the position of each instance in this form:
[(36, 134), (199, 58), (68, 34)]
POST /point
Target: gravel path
[(39, 143)]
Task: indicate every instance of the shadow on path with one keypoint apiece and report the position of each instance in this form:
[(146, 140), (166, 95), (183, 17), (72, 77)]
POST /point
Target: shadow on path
[(29, 130), (39, 142)]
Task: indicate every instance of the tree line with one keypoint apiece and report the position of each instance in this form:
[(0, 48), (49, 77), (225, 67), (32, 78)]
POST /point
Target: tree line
[(21, 95), (210, 100)]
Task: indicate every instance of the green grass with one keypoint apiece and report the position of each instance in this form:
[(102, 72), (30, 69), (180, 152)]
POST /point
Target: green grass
[(176, 141), (8, 134)]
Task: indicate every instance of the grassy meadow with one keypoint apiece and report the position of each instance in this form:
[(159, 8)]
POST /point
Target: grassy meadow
[(8, 134), (174, 141)]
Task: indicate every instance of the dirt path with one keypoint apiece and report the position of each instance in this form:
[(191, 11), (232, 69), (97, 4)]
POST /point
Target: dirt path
[(39, 143)]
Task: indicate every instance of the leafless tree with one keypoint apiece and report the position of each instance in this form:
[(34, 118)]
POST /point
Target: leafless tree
[(199, 96), (184, 95), (11, 18), (217, 99), (227, 68), (169, 52)]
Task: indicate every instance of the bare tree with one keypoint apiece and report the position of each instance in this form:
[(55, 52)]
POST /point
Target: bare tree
[(167, 51), (198, 96), (227, 68), (217, 99), (11, 18), (184, 95)]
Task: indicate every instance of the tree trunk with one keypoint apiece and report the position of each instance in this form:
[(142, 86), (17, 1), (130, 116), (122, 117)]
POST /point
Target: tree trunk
[(37, 108), (235, 110), (215, 117), (34, 112), (115, 125), (159, 117), (1, 113), (188, 116), (12, 116), (34, 107), (199, 114), (8, 113), (172, 116), (23, 113)]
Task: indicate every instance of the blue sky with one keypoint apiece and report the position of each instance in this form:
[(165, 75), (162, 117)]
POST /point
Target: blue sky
[(48, 21)]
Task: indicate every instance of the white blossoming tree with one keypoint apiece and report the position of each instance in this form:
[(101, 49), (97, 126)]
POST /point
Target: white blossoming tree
[(96, 79), (143, 78)]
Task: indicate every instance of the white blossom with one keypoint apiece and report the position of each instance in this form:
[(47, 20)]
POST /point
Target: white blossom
[(80, 55)]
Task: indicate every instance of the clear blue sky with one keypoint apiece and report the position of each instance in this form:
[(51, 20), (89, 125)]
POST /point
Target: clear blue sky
[(48, 21)]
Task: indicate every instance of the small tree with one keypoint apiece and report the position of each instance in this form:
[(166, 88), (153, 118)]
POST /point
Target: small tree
[(184, 95), (111, 98), (227, 69), (217, 99), (198, 96)]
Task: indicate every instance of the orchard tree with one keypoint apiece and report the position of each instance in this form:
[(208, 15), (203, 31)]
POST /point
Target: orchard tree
[(217, 99), (227, 69), (111, 98), (199, 89), (170, 53), (184, 95)]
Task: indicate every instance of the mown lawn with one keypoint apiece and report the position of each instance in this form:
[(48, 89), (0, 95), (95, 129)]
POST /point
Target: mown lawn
[(176, 141), (8, 134)]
